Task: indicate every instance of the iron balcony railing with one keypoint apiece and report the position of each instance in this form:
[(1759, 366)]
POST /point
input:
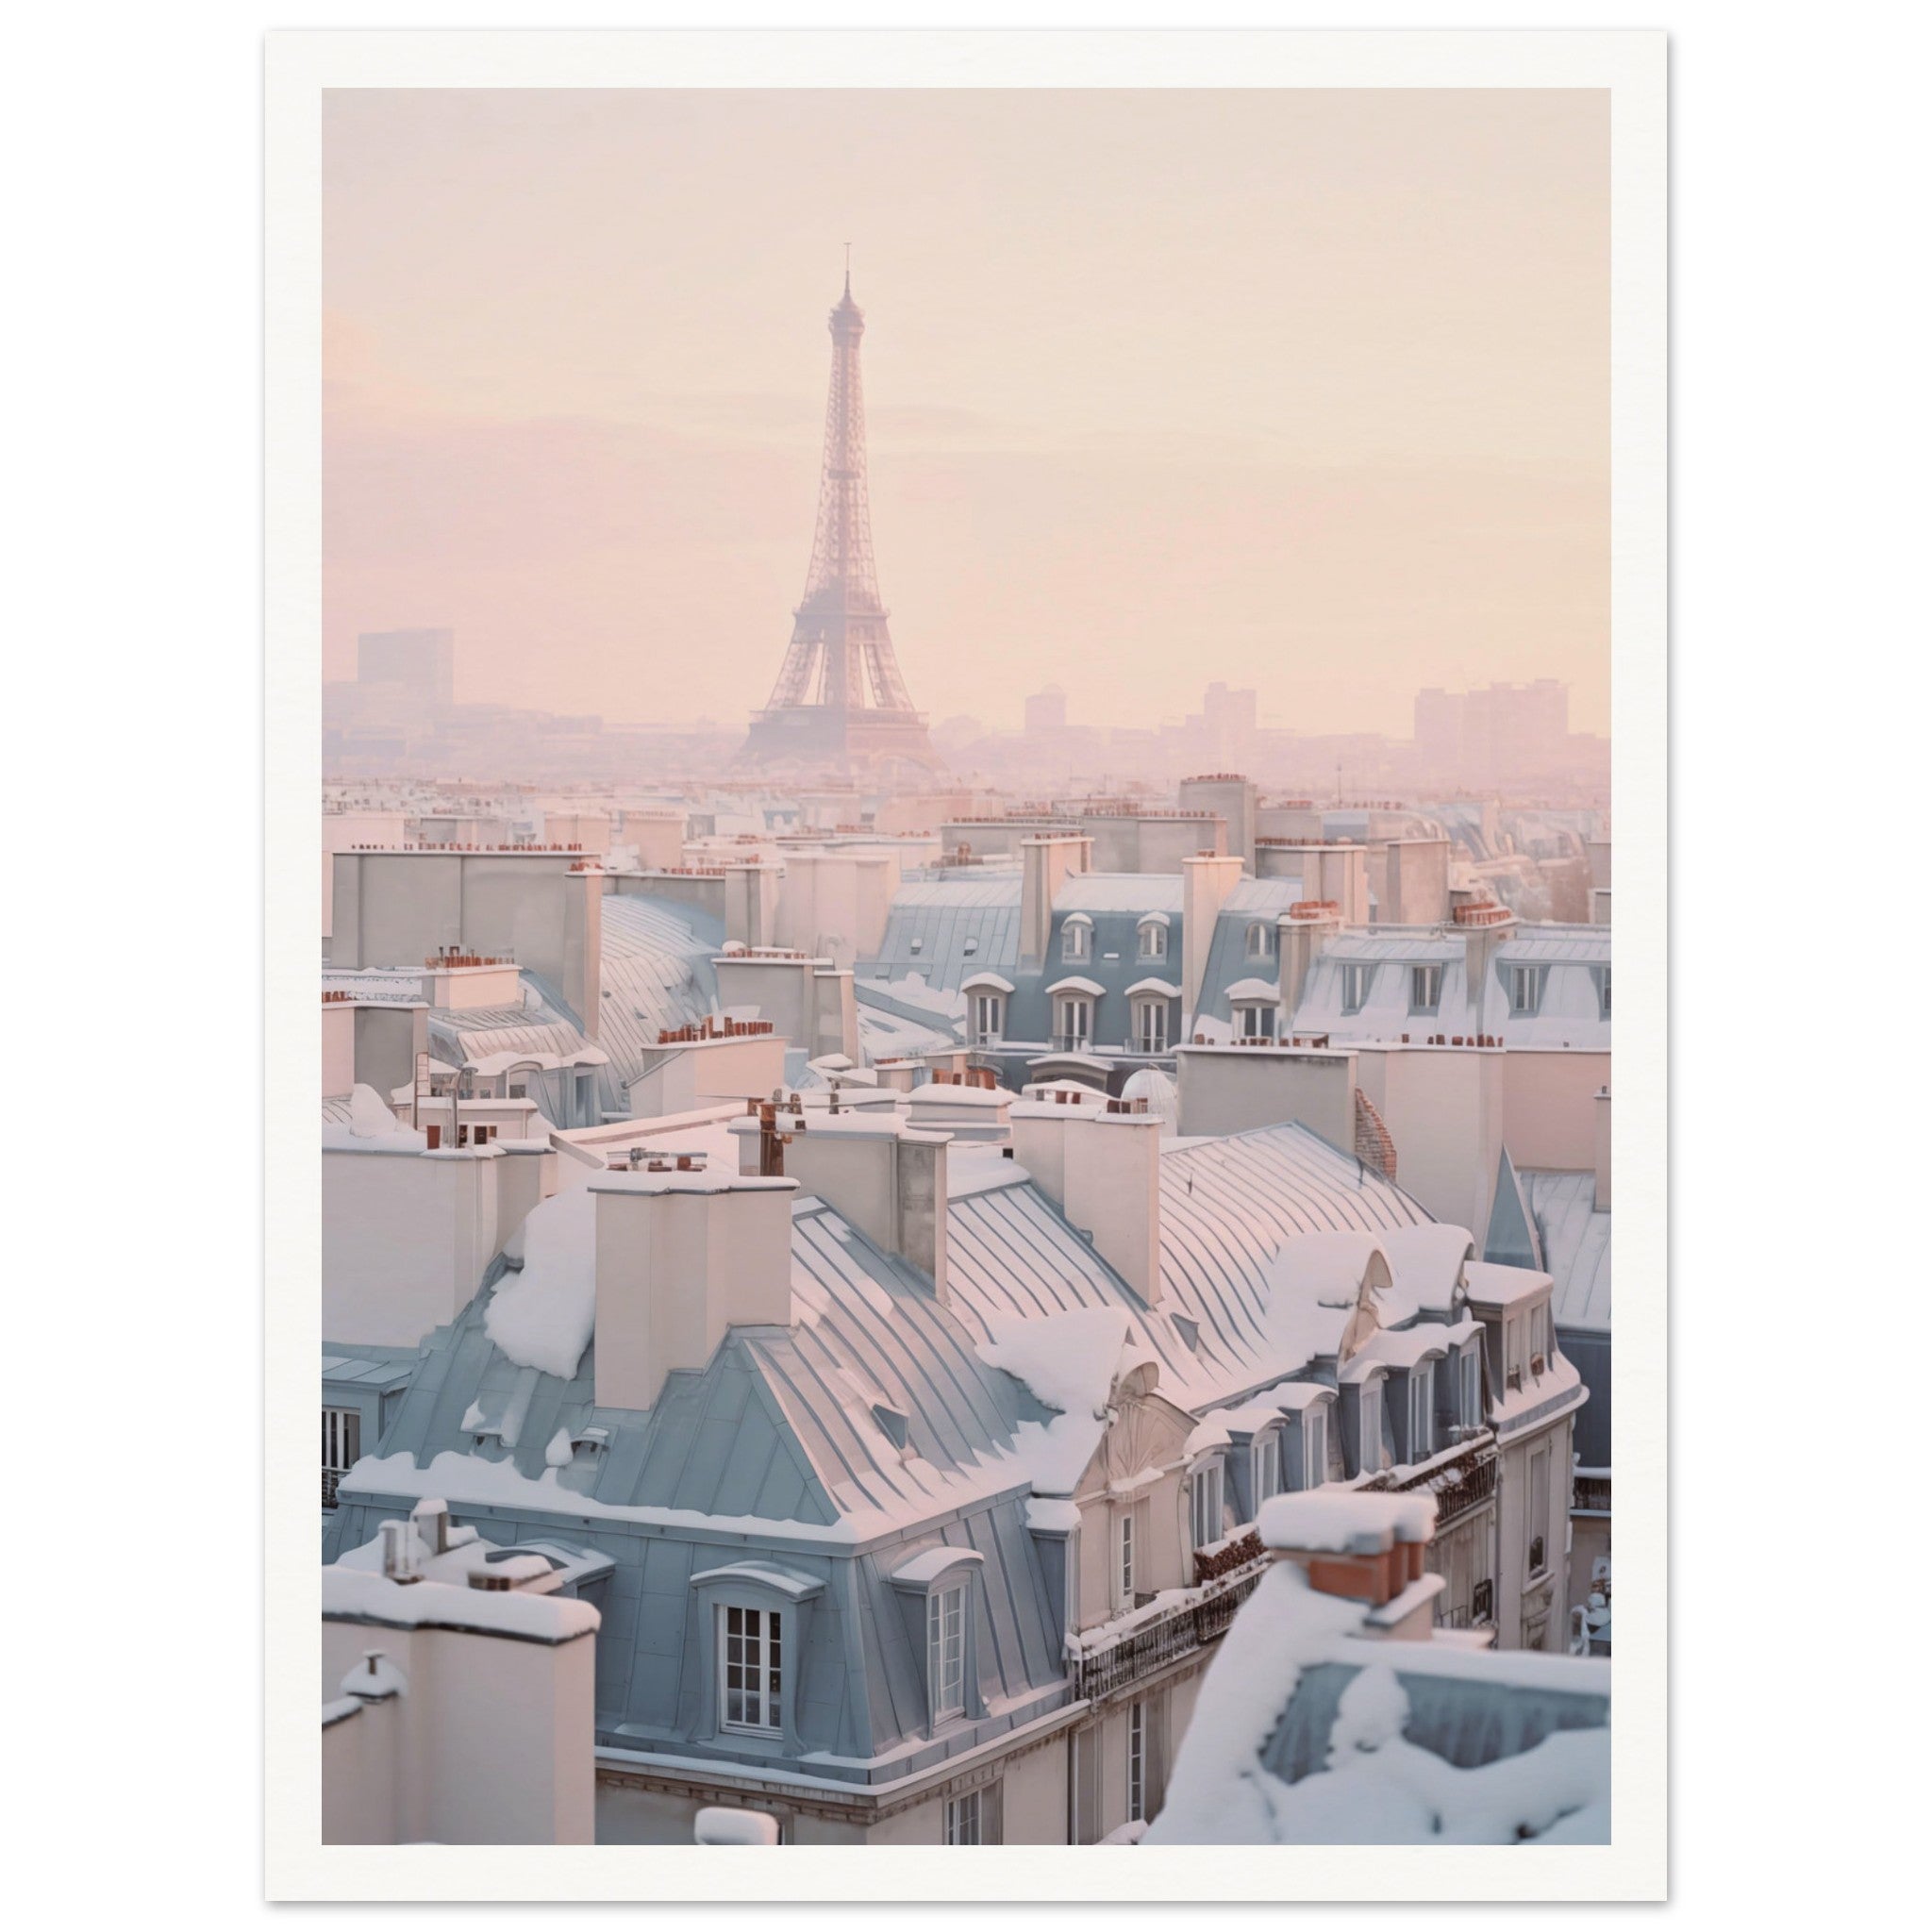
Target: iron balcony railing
[(1460, 1482), (1202, 1618), (1072, 1043)]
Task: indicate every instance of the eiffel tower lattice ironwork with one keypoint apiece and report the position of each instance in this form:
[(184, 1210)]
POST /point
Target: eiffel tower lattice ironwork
[(840, 700)]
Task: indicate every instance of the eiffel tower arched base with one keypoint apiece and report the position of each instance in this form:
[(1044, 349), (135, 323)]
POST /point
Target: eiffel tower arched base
[(821, 739)]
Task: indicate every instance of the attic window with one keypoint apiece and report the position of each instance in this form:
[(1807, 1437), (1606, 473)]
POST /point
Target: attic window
[(1355, 987), (1260, 942), (1314, 1447), (1603, 992), (1425, 989), (970, 947), (1525, 989), (1189, 1330), (891, 1420), (917, 946)]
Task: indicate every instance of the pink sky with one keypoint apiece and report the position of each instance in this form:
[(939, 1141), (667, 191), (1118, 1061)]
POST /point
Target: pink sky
[(1308, 391)]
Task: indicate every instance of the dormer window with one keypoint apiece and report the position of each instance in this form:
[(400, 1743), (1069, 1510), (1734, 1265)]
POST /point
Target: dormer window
[(945, 1650), (1254, 1022), (1203, 1505), (917, 946), (1425, 989), (1150, 1024), (971, 946), (1422, 1412), (1603, 992), (1525, 989), (1356, 980), (1076, 938), (1471, 1408), (1153, 939), (989, 1017), (1261, 940), (1073, 1022), (1370, 1448), (1315, 1447), (1267, 1466), (750, 1661), (939, 1581)]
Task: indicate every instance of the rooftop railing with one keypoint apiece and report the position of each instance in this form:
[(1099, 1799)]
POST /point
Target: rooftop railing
[(1200, 1617), (1461, 1482)]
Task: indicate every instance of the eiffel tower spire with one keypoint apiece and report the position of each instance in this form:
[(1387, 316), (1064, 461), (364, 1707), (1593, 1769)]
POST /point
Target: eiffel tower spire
[(841, 698)]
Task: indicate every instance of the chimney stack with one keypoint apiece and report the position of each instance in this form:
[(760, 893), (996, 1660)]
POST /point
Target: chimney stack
[(1102, 1170), (1602, 1150), (681, 1258), (1300, 935), (1366, 1545), (1206, 882), (430, 1520), (885, 1177), (398, 1557), (1045, 865)]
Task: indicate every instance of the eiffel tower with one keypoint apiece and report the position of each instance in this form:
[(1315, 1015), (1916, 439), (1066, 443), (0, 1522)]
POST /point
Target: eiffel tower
[(840, 706)]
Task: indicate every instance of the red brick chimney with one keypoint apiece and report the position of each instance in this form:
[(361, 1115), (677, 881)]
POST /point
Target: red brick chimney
[(1366, 1546)]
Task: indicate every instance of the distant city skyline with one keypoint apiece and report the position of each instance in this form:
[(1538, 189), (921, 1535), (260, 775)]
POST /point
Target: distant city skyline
[(1305, 393)]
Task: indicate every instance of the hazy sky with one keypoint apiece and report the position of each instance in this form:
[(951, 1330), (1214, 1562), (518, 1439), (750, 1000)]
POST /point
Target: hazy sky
[(1308, 391)]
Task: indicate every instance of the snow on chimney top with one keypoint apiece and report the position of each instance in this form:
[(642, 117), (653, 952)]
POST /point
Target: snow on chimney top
[(1367, 1546)]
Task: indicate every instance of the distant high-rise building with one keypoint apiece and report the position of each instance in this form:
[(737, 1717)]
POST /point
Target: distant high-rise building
[(1047, 710), (1498, 731), (421, 664), (840, 702), (1438, 716)]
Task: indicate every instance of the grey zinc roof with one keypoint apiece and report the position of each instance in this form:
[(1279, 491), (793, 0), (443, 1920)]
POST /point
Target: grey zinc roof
[(1575, 1245), (771, 1445), (779, 1426), (383, 1373), (944, 931), (1463, 1718), (1227, 1207), (657, 974), (457, 1035), (1570, 1014)]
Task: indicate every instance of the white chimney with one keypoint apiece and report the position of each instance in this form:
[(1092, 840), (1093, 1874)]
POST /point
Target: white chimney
[(1415, 882), (1300, 939), (1485, 927), (1045, 864), (1102, 1170), (681, 1258), (1206, 882), (430, 1520), (887, 1178), (398, 1556), (751, 903)]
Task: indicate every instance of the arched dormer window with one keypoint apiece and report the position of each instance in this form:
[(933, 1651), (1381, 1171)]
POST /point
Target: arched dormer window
[(938, 1589), (1153, 931), (987, 994), (1269, 1476), (1076, 937), (1149, 1004), (1261, 940)]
